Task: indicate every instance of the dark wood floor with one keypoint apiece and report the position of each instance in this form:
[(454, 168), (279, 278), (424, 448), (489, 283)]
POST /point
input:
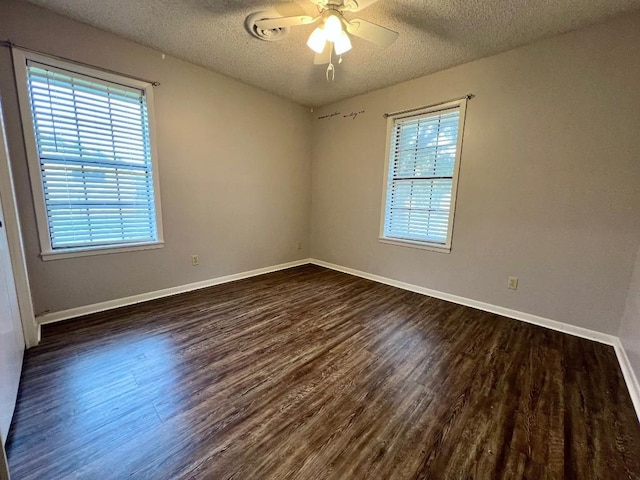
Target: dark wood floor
[(313, 374)]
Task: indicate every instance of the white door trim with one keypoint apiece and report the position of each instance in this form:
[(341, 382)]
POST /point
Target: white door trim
[(30, 328)]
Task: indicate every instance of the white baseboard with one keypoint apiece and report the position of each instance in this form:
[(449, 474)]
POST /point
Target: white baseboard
[(487, 307), (629, 375), (144, 297)]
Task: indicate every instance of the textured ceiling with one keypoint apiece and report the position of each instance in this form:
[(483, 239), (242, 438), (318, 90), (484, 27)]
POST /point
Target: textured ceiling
[(434, 35)]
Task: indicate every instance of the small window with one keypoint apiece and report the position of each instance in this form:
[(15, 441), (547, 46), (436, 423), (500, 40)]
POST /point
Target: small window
[(422, 175), (91, 158)]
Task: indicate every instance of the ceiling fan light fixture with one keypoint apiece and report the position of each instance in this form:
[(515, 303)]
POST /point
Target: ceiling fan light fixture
[(342, 44), (332, 28), (317, 40), (334, 31)]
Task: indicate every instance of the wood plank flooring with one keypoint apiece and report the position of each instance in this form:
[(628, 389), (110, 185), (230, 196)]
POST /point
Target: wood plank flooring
[(309, 373)]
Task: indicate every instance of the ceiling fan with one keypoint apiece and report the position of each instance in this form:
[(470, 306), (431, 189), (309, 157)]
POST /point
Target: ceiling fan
[(331, 36)]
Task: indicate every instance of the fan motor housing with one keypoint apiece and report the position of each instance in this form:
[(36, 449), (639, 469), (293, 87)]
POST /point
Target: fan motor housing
[(269, 35)]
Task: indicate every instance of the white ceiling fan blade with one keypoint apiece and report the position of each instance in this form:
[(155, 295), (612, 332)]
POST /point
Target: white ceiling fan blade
[(289, 9), (320, 3), (357, 5), (271, 23), (371, 32), (325, 56)]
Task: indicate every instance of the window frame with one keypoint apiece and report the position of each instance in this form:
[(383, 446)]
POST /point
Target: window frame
[(413, 113), (20, 58)]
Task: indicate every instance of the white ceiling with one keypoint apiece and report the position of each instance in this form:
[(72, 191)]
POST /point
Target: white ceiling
[(434, 35)]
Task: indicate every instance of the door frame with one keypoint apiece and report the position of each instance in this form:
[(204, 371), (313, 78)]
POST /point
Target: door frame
[(30, 328)]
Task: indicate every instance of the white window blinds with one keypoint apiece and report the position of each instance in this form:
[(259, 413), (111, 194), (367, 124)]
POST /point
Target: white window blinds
[(420, 183), (92, 139)]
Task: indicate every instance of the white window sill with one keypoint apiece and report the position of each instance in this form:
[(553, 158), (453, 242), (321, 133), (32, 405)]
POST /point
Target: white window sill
[(415, 244), (107, 249)]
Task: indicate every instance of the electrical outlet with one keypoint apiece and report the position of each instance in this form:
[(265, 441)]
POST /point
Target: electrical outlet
[(299, 245), (195, 261), (513, 283)]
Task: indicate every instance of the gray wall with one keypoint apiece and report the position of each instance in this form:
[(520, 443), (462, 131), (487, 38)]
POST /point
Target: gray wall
[(234, 166), (630, 328), (549, 185)]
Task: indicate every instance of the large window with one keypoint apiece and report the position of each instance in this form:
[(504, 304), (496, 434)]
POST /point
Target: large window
[(91, 157), (420, 188)]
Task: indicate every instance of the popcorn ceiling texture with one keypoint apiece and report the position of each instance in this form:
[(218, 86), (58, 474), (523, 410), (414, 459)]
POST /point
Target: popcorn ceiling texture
[(434, 35)]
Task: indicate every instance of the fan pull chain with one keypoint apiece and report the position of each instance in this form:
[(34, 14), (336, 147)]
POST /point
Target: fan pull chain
[(331, 69), (331, 73)]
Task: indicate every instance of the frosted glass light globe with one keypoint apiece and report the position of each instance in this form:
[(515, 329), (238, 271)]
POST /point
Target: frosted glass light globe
[(317, 40), (332, 28), (343, 44)]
